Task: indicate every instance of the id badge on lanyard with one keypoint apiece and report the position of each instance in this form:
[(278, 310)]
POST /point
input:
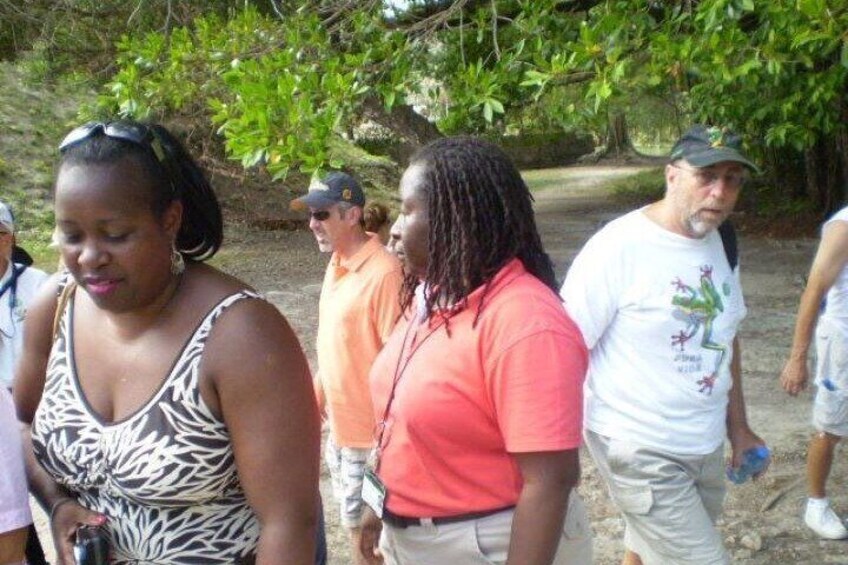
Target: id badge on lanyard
[(374, 492)]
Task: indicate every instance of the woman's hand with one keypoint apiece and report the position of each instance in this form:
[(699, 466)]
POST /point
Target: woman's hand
[(369, 540), (66, 516)]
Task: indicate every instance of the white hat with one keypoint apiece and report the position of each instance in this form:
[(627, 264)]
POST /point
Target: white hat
[(7, 219)]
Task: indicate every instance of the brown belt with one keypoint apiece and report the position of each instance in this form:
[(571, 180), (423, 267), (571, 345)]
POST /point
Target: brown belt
[(405, 521)]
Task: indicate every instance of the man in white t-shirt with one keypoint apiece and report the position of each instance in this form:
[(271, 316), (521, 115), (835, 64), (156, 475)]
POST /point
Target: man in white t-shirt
[(828, 280), (659, 303), (18, 285)]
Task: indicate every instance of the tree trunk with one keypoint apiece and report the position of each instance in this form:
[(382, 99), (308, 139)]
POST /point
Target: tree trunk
[(618, 138), (826, 167), (787, 170), (618, 145), (407, 124)]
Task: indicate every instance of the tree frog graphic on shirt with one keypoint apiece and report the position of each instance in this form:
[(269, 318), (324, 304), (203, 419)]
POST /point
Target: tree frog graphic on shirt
[(698, 308)]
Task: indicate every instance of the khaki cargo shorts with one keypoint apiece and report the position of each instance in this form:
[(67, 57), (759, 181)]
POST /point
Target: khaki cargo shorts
[(670, 502)]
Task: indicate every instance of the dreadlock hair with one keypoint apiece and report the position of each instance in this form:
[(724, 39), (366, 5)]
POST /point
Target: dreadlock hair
[(173, 173), (481, 217)]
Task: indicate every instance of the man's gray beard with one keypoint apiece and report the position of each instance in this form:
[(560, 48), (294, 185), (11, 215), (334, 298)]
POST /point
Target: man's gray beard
[(700, 228)]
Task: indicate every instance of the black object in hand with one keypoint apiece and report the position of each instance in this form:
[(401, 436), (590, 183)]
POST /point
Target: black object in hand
[(91, 547)]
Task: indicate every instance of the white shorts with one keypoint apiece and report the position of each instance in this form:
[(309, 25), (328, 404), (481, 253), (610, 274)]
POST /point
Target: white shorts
[(482, 541), (347, 468), (670, 502), (830, 407), (14, 497)]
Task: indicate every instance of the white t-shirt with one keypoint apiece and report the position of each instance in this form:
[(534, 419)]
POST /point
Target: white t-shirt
[(836, 311), (13, 307), (659, 312), (14, 499)]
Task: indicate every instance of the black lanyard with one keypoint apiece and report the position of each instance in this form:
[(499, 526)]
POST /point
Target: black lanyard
[(399, 372), (11, 286)]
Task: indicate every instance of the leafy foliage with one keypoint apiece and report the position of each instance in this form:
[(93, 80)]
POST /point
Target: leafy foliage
[(280, 79), (278, 93)]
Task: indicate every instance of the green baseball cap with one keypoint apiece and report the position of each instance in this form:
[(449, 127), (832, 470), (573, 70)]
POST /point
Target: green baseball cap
[(703, 146)]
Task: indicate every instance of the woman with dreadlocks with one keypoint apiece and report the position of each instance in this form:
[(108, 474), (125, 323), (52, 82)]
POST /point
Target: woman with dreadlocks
[(478, 392)]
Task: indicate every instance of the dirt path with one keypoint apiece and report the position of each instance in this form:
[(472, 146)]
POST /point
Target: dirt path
[(571, 205)]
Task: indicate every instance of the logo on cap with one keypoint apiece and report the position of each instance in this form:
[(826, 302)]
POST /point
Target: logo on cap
[(716, 136), (316, 184)]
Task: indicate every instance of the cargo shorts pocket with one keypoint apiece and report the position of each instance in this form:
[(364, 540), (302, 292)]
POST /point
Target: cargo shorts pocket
[(633, 499)]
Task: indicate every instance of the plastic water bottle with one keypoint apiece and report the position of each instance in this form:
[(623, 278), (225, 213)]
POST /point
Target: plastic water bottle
[(754, 461)]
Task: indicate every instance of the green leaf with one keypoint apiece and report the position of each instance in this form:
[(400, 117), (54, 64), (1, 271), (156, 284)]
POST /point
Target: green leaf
[(496, 105), (811, 8)]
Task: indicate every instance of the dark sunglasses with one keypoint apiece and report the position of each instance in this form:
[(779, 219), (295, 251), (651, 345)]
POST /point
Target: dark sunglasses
[(136, 133), (320, 215)]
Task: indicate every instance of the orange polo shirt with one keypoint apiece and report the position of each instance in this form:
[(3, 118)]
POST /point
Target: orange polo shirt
[(359, 306), (465, 401)]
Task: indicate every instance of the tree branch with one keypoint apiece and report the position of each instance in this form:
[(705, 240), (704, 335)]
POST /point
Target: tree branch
[(135, 12), (495, 30)]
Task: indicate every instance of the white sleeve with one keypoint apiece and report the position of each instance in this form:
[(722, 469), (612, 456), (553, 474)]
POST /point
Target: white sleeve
[(592, 288)]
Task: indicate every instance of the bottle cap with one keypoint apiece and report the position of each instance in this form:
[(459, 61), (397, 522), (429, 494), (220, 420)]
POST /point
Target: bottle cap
[(762, 451)]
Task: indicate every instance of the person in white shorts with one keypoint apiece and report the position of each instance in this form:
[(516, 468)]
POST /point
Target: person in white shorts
[(659, 303), (829, 317)]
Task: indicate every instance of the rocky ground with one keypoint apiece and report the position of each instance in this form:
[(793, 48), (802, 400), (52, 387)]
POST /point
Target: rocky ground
[(761, 522)]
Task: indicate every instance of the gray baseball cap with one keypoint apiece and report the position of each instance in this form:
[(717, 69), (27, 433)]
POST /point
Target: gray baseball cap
[(7, 219), (703, 146)]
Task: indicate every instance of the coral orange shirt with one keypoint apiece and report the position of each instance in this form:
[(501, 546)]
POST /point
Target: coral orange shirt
[(359, 306), (465, 401)]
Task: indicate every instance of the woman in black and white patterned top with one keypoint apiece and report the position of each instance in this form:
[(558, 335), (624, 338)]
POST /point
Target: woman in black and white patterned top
[(172, 406)]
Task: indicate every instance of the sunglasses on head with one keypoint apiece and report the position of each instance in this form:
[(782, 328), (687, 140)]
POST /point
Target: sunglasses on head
[(136, 133)]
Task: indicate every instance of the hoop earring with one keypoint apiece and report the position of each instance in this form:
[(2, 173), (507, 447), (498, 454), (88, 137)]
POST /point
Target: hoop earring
[(177, 261)]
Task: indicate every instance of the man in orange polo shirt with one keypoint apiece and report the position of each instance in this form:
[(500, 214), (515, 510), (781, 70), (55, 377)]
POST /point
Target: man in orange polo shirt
[(360, 303)]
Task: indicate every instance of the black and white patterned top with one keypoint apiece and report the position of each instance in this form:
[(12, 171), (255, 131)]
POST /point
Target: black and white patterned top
[(165, 476)]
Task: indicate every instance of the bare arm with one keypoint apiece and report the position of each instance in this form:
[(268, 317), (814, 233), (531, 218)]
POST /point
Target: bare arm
[(66, 514), (320, 397), (831, 258), (738, 432), (38, 339), (266, 398), (537, 526)]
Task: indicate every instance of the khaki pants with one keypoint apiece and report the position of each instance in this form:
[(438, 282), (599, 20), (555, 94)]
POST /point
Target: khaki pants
[(484, 541)]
